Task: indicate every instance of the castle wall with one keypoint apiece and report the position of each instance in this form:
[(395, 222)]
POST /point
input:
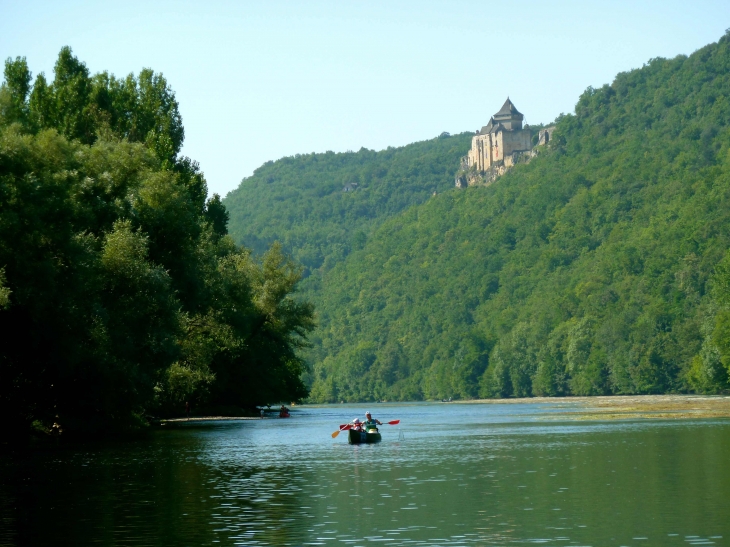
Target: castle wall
[(545, 135), (480, 155), (495, 147), (516, 141)]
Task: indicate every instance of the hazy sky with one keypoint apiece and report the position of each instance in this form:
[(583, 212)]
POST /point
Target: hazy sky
[(260, 80)]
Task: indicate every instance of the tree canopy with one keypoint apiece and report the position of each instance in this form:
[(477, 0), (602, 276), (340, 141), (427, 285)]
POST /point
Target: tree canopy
[(321, 207), (595, 269), (121, 293)]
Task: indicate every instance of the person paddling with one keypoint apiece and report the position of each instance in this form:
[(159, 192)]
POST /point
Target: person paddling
[(370, 422)]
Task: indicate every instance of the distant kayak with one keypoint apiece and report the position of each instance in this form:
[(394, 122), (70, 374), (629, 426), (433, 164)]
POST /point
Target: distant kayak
[(362, 437)]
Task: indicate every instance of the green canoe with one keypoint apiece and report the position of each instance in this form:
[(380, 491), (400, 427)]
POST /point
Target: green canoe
[(360, 437)]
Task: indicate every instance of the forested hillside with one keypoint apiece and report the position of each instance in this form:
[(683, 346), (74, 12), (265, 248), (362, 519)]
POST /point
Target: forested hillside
[(121, 294), (595, 269), (323, 206)]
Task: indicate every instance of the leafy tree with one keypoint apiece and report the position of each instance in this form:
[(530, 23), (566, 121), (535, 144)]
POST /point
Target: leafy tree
[(586, 271), (709, 370), (217, 215), (14, 92), (120, 292), (69, 104)]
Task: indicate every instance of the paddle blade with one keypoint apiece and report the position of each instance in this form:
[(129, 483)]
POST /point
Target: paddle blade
[(342, 428), (394, 422)]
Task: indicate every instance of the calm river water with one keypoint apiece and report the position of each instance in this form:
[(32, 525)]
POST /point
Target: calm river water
[(450, 474)]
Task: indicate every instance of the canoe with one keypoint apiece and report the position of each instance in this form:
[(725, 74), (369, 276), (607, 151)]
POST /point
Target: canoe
[(360, 437)]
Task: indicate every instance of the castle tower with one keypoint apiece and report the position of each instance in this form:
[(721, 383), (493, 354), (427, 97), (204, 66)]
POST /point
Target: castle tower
[(509, 116), (498, 145)]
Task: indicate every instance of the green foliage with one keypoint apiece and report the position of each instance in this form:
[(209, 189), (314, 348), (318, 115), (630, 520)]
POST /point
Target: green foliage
[(120, 292), (217, 215), (711, 367), (586, 271), (85, 107), (4, 291), (321, 207), (14, 92)]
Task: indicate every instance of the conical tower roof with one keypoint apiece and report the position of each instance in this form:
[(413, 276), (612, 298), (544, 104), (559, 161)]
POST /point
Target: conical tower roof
[(508, 109)]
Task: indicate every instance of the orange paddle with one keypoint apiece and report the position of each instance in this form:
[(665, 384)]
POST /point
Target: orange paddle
[(342, 428)]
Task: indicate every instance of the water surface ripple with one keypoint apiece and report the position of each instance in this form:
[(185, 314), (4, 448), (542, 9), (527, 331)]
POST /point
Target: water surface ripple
[(461, 474)]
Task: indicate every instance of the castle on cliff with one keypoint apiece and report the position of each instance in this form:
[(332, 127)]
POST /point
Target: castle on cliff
[(497, 146)]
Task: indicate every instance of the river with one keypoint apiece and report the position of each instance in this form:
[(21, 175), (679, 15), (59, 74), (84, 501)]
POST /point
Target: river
[(449, 474)]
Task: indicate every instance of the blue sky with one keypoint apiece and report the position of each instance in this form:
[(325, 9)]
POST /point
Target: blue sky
[(257, 81)]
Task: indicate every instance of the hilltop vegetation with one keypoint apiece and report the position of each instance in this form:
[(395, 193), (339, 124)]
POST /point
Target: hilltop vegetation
[(600, 267), (121, 293), (595, 269), (321, 207), (585, 272)]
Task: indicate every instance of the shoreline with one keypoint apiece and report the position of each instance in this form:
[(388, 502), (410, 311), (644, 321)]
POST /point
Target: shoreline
[(212, 419), (599, 407), (622, 407), (603, 399)]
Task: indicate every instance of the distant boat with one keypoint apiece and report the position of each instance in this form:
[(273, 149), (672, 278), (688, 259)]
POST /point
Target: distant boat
[(362, 437)]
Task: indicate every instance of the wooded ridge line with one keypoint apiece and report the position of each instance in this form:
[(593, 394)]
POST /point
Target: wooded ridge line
[(598, 268)]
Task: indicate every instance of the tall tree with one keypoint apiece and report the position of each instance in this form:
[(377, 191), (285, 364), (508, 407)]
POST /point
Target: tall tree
[(14, 91), (120, 292)]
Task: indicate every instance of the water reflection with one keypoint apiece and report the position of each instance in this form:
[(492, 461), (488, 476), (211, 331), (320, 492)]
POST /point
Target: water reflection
[(461, 475)]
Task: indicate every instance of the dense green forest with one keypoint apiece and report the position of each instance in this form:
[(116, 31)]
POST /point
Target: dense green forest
[(321, 207), (600, 267), (595, 269), (121, 294)]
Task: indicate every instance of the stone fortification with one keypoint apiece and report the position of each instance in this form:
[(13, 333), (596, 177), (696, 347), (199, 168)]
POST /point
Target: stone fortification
[(544, 136), (498, 146)]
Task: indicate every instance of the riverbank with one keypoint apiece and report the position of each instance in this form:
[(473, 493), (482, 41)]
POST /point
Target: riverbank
[(215, 418), (207, 419), (622, 407), (615, 407)]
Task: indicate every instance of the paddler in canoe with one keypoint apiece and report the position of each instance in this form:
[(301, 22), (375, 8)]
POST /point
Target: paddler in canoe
[(370, 422), (363, 432)]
